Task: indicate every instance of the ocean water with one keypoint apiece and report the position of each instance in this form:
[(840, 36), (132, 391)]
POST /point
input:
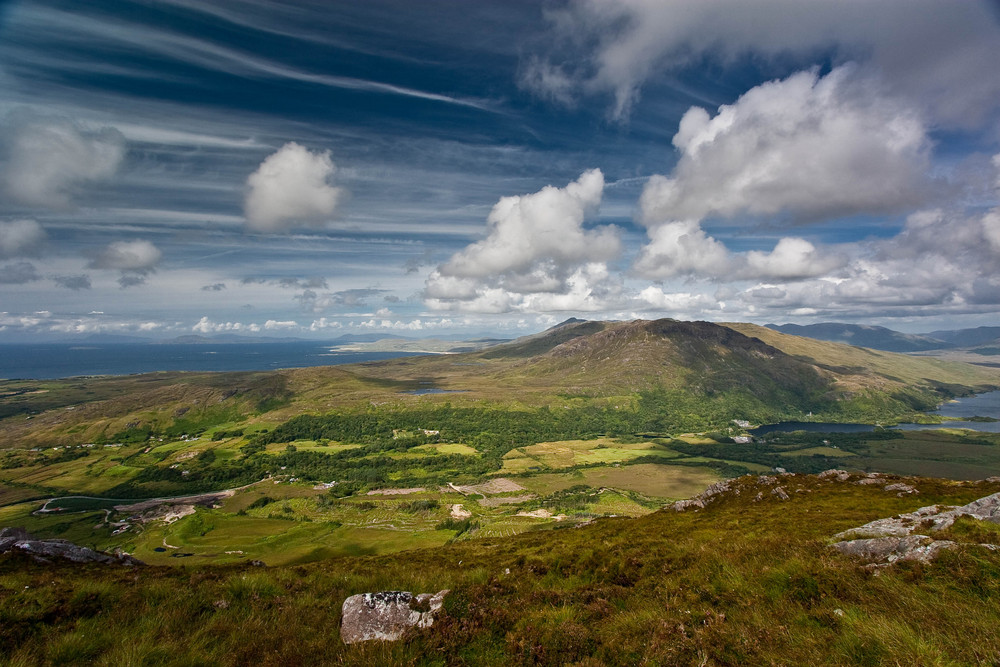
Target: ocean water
[(48, 361)]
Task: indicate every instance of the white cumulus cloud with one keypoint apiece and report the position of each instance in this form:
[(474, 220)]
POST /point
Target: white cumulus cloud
[(792, 258), (536, 253), (681, 247), (49, 163), (940, 54), (807, 146), (20, 238), (135, 259), (291, 187), (138, 256)]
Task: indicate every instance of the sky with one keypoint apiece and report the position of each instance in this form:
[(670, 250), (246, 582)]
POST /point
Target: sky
[(315, 169)]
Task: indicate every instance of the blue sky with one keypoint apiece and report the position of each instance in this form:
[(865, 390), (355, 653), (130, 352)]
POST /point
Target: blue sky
[(313, 169)]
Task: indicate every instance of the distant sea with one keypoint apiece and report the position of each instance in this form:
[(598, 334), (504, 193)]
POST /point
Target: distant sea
[(52, 360)]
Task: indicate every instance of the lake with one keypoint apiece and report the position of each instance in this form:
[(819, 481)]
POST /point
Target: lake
[(980, 405), (52, 360)]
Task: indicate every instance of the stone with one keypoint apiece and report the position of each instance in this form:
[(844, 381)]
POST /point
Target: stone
[(706, 496), (780, 492), (387, 615), (886, 550), (834, 473), (42, 551), (984, 509), (885, 541), (931, 518), (903, 489)]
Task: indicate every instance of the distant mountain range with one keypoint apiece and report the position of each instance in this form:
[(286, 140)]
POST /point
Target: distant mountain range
[(881, 338), (980, 340)]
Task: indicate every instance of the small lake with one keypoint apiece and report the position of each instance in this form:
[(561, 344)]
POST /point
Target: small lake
[(980, 405), (432, 390)]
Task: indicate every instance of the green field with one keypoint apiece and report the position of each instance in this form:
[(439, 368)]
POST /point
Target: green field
[(651, 479), (571, 453)]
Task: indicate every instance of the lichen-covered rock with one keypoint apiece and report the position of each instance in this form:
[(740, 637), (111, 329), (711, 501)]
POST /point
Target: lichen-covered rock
[(690, 503), (780, 493), (885, 541), (886, 550), (706, 496), (903, 489), (984, 509), (18, 540), (387, 615), (835, 474), (928, 519)]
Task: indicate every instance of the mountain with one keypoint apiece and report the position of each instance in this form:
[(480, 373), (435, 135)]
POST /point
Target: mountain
[(665, 374), (878, 338), (969, 337), (881, 338)]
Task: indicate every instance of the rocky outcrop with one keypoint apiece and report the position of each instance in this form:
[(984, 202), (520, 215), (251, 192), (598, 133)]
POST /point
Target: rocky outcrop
[(886, 541), (17, 540), (927, 519), (887, 550), (706, 496), (387, 615)]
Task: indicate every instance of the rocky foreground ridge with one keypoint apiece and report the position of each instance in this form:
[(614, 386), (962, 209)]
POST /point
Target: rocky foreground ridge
[(881, 542), (388, 615)]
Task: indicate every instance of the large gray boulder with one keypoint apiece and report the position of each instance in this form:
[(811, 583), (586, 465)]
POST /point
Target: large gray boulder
[(20, 541), (387, 615)]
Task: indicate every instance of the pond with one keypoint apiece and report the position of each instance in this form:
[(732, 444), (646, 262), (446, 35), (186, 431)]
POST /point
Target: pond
[(433, 390)]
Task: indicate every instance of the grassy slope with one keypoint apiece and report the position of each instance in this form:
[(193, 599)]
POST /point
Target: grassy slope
[(857, 365), (742, 582)]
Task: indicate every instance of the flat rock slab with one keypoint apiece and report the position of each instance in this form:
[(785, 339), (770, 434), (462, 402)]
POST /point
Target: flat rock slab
[(931, 518), (387, 615), (885, 550), (886, 541), (17, 540)]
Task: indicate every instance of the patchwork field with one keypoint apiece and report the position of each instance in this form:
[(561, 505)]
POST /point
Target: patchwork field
[(651, 479), (570, 453)]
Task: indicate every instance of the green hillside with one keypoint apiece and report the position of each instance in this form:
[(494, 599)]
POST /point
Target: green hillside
[(742, 582)]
